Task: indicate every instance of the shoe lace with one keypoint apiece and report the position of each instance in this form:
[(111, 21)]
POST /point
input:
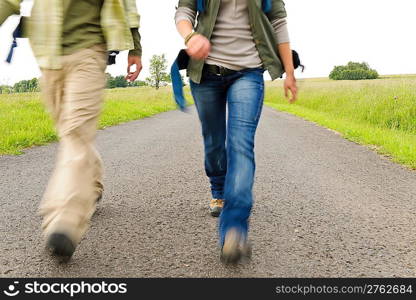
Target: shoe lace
[(218, 201)]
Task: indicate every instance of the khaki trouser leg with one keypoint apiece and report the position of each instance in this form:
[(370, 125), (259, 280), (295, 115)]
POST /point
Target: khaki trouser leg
[(74, 96)]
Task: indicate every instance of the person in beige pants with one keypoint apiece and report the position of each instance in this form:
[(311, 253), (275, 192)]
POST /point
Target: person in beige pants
[(71, 40), (73, 95)]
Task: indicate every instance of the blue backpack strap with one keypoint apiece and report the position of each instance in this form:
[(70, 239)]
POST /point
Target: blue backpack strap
[(267, 6), (17, 33)]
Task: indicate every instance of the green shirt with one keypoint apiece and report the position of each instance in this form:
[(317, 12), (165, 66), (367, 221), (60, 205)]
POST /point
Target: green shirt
[(82, 26), (262, 30)]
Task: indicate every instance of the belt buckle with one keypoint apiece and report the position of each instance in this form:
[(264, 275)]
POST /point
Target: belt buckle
[(222, 71)]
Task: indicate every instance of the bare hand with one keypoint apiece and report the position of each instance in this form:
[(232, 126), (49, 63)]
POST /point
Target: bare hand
[(290, 85), (198, 47), (133, 61)]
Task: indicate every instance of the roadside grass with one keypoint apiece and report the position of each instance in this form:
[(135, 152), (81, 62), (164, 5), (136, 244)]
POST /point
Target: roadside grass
[(123, 105), (24, 122), (380, 113)]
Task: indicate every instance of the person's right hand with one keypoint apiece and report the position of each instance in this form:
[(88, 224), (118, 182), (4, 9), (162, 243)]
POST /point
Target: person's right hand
[(198, 47)]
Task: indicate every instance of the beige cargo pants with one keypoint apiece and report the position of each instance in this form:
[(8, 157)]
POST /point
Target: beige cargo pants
[(73, 95)]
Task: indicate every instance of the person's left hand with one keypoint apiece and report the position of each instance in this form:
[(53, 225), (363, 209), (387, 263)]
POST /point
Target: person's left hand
[(133, 61), (290, 85)]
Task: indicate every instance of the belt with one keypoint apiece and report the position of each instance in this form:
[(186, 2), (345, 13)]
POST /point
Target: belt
[(218, 70)]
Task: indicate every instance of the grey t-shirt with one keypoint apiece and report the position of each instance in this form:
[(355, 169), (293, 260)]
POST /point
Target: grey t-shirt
[(232, 42)]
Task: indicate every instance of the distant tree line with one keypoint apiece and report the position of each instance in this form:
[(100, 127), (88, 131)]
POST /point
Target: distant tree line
[(6, 89), (158, 77), (121, 82), (353, 71), (27, 86), (24, 86)]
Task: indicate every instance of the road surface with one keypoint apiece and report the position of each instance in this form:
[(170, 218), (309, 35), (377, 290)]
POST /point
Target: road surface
[(325, 207)]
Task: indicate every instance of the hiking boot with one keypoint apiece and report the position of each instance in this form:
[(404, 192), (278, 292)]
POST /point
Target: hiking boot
[(236, 248), (61, 245), (215, 207)]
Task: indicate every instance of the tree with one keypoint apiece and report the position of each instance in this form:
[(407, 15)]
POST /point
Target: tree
[(26, 86), (121, 82), (137, 83), (158, 74), (116, 82), (353, 71), (6, 89)]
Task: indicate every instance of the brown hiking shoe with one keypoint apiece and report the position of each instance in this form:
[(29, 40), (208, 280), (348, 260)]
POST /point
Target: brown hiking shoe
[(215, 207)]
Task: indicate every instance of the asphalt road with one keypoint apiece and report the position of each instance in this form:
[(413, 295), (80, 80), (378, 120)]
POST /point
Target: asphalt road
[(325, 207)]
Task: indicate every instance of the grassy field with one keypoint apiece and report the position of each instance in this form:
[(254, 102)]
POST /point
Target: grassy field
[(380, 113), (24, 122)]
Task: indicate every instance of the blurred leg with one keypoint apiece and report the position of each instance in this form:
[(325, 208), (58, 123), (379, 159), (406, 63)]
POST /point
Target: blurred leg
[(245, 102), (210, 101), (52, 87), (69, 200)]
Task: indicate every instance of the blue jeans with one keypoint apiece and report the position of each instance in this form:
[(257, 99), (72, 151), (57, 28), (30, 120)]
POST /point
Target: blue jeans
[(229, 145)]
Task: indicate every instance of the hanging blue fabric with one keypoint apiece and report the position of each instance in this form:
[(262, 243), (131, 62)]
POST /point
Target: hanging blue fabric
[(17, 33), (180, 63), (267, 6), (200, 6)]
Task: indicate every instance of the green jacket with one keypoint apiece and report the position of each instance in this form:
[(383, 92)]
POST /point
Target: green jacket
[(263, 33), (44, 27)]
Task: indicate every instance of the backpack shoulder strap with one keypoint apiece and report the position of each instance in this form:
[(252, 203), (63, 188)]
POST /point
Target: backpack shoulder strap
[(17, 33)]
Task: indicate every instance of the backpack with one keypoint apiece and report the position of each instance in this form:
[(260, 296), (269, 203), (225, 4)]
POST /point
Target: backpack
[(17, 33)]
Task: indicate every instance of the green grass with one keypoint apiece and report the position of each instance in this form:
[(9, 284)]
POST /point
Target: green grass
[(123, 105), (24, 122), (380, 113)]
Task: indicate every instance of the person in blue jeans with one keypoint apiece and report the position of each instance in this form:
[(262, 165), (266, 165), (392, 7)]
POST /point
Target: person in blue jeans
[(226, 76)]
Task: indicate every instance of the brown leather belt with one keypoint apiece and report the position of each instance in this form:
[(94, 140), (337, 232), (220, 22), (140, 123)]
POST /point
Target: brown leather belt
[(218, 70)]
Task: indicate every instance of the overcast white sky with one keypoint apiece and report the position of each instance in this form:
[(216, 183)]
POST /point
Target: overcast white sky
[(324, 32)]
